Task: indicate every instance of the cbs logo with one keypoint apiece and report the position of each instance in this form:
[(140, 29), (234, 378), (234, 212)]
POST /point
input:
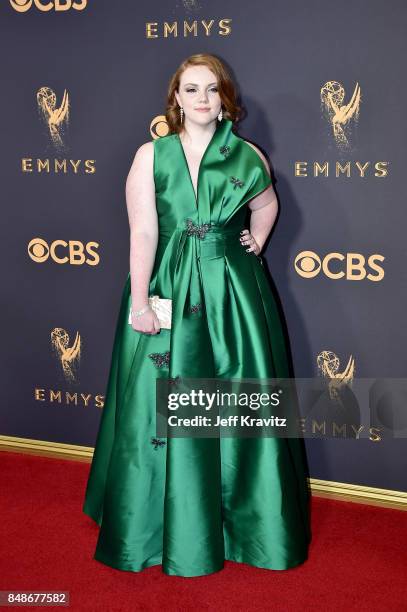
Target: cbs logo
[(73, 252), (352, 266), (22, 6)]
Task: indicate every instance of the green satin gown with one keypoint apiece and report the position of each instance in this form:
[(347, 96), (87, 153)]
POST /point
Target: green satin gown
[(190, 503)]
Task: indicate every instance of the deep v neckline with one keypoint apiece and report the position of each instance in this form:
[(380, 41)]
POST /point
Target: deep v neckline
[(196, 193)]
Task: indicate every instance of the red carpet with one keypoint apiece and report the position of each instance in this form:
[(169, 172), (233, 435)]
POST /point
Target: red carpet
[(358, 556)]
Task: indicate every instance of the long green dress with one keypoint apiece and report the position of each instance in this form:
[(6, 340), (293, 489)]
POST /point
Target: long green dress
[(191, 503)]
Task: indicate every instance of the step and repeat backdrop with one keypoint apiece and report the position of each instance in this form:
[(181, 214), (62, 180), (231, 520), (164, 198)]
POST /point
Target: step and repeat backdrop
[(84, 85)]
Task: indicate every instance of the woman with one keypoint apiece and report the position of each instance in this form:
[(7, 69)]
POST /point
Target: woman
[(190, 503)]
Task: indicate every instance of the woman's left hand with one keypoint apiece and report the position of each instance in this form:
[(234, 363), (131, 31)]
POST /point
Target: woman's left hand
[(247, 239)]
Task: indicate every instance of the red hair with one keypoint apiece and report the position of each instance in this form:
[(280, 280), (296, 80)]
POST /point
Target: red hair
[(227, 91)]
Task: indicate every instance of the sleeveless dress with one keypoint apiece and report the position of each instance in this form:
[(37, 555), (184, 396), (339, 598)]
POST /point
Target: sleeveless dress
[(190, 503)]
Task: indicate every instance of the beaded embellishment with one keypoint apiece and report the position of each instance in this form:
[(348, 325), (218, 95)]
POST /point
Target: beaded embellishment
[(237, 182), (197, 230), (156, 442), (160, 359), (195, 307), (224, 150)]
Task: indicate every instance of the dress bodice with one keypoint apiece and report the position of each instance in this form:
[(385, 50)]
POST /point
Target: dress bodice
[(230, 174), (194, 230)]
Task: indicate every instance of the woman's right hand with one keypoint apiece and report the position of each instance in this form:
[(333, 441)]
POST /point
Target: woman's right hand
[(147, 323)]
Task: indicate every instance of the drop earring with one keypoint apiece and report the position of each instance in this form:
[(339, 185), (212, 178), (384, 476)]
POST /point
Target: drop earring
[(220, 116), (181, 113)]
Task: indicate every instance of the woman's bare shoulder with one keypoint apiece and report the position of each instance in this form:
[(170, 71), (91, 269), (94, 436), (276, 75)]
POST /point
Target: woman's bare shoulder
[(145, 151), (142, 165), (144, 155), (260, 154)]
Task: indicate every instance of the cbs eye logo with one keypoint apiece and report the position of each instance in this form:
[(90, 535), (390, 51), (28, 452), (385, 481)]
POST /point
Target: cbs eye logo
[(22, 6), (351, 266), (71, 252)]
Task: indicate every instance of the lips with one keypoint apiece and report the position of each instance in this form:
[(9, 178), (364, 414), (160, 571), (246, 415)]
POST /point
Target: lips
[(202, 109)]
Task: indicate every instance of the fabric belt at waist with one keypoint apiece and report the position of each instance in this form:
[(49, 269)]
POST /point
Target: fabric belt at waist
[(215, 234), (210, 242)]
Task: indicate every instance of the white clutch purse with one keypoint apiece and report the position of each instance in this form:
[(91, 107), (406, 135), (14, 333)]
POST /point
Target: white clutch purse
[(162, 308)]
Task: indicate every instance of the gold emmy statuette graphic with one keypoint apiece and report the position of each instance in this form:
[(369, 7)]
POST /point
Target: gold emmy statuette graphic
[(328, 364), (55, 118), (339, 114), (69, 356)]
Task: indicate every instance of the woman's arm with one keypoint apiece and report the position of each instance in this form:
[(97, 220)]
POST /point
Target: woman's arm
[(264, 208), (263, 216), (142, 213)]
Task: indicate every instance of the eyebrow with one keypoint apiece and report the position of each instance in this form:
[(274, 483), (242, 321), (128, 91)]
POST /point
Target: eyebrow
[(196, 84)]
